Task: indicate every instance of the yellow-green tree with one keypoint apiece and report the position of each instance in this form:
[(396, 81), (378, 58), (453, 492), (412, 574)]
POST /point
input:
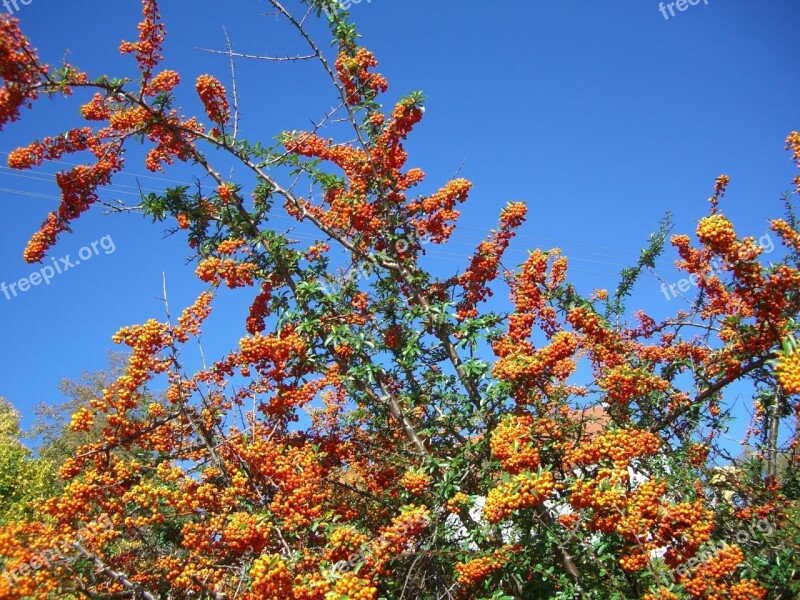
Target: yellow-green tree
[(23, 478)]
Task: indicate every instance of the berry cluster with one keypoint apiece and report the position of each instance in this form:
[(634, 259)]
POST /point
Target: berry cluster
[(151, 39), (271, 579), (213, 95), (415, 482), (353, 587), (523, 491), (457, 502), (511, 443), (716, 232), (484, 264), (787, 371), (234, 273)]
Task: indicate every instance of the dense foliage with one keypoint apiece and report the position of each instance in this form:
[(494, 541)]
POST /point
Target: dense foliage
[(379, 431)]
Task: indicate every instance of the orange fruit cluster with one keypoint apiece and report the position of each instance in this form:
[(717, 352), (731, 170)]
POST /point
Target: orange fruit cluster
[(352, 67), (723, 562), (634, 561), (234, 273), (192, 317), (662, 594), (395, 537), (49, 148), (484, 264), (789, 236), (316, 251), (348, 209), (277, 350), (173, 138), (343, 542), (353, 587), (415, 482), (528, 293), (747, 589), (708, 582), (212, 94), (512, 445), (623, 384), (617, 446), (642, 515), (82, 420), (437, 215), (78, 185), (151, 39), (128, 119), (225, 193), (793, 143), (164, 82), (146, 341), (523, 491), (97, 109), (787, 371), (271, 579), (605, 346), (605, 493), (21, 71), (393, 336), (532, 369), (245, 531), (301, 495), (716, 232), (698, 453), (478, 569), (260, 308), (688, 524), (455, 503)]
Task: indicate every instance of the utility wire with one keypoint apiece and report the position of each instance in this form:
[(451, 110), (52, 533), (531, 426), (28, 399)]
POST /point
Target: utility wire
[(480, 233)]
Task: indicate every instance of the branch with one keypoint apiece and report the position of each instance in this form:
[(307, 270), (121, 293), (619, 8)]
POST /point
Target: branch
[(234, 93), (256, 57), (710, 391), (121, 578)]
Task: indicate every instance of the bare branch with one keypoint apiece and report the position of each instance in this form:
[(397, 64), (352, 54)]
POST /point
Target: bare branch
[(117, 576), (234, 93), (257, 57)]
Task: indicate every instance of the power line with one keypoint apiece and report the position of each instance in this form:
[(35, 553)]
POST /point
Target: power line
[(460, 240), (51, 178), (314, 236), (137, 175), (480, 233), (26, 193)]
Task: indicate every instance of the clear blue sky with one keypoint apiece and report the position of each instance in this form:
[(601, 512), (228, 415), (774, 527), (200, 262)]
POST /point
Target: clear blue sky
[(601, 116)]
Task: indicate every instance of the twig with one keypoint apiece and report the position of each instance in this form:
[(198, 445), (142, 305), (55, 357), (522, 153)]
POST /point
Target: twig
[(121, 578), (257, 57), (234, 93)]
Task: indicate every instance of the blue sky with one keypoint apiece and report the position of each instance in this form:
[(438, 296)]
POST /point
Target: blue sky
[(601, 116)]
